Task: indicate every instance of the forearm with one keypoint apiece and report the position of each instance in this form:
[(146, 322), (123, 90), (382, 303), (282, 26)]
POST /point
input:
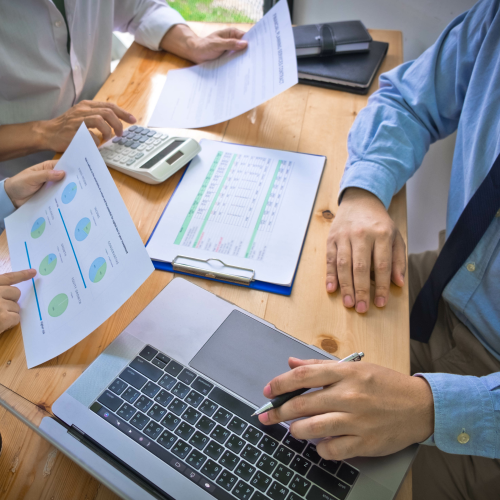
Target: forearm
[(179, 40), (6, 205), (22, 139)]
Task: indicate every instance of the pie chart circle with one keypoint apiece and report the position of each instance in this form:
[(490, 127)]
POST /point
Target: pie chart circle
[(98, 270), (38, 228), (48, 264), (82, 229), (69, 193), (58, 305)]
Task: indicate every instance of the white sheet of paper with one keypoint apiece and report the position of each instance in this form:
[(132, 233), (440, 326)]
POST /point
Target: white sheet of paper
[(89, 258), (237, 82), (249, 207)]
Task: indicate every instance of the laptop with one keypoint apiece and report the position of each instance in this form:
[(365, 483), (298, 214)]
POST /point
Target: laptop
[(165, 412)]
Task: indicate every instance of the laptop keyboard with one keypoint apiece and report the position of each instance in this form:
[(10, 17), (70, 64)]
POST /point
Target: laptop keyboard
[(208, 435)]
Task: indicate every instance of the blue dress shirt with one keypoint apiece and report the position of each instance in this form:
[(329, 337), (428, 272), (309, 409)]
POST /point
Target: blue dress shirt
[(454, 85), (6, 206)]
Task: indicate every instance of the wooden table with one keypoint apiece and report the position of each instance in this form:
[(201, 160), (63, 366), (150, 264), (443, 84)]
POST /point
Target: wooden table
[(305, 119)]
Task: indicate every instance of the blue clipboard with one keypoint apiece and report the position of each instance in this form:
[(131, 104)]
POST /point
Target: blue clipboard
[(262, 286)]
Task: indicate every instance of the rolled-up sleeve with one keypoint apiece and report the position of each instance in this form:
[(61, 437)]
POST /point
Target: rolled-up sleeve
[(147, 20), (466, 404), (6, 206)]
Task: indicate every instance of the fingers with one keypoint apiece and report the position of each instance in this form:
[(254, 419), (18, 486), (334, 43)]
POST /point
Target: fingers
[(98, 122), (294, 362), (111, 119), (119, 112), (229, 33), (8, 320), (340, 448), (362, 256), (39, 177), (232, 44), (398, 260), (344, 269), (96, 139), (10, 293), (45, 165), (382, 262), (8, 279), (323, 425), (331, 267)]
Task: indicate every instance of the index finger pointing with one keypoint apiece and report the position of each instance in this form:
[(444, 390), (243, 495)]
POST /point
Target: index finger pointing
[(8, 279), (119, 112)]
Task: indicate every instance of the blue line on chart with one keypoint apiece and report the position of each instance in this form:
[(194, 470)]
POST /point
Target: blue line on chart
[(77, 263), (33, 280)]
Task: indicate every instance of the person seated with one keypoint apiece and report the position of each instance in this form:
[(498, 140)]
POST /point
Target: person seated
[(55, 56), (14, 192), (452, 403)]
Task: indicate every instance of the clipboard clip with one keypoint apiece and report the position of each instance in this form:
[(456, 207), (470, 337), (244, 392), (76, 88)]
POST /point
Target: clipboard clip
[(213, 274)]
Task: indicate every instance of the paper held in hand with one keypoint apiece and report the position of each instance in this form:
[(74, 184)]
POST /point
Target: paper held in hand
[(89, 258), (237, 82)]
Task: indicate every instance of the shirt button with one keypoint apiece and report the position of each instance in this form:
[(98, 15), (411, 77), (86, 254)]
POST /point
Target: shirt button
[(57, 24), (471, 267), (463, 438)]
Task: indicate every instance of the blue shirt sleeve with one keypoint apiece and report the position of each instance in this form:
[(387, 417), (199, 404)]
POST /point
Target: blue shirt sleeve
[(6, 206), (466, 404), (418, 103)]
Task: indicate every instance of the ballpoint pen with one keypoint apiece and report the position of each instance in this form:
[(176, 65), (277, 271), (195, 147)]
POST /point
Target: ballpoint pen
[(283, 398)]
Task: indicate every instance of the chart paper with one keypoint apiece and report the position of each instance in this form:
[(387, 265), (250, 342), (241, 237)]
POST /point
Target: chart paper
[(89, 258)]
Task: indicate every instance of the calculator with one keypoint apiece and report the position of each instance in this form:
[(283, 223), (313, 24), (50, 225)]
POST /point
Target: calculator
[(151, 156)]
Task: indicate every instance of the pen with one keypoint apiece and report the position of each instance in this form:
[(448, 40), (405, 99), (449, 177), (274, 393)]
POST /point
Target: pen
[(281, 400)]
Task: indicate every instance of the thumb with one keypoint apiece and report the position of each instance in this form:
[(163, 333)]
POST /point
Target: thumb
[(41, 176), (295, 362), (9, 279)]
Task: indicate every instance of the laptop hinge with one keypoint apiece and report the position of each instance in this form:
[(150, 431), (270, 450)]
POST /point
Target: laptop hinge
[(76, 432)]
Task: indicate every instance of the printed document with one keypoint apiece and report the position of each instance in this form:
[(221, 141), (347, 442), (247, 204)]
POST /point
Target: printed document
[(89, 258), (237, 82), (248, 207)]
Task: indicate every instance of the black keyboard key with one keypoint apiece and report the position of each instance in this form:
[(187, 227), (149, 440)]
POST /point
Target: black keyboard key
[(208, 408), (283, 474), (186, 376), (311, 454), (167, 439), (147, 369), (211, 469), (329, 483), (181, 449), (184, 431), (237, 425), (266, 463), (153, 430), (293, 496), (347, 473), (126, 411), (261, 481), (150, 389), (235, 443), (227, 480), (222, 416), (194, 398), (130, 395), (110, 400), (171, 421), (300, 465), (284, 454), (220, 434), (148, 353), (196, 459), (300, 485), (191, 415), (159, 363), (180, 390), (118, 386), (277, 491), (214, 450), (167, 382), (268, 445), (139, 421), (206, 425), (133, 378), (330, 466), (199, 440), (250, 453), (296, 445), (201, 385), (244, 470), (229, 460), (164, 397), (259, 496), (177, 406), (157, 412), (173, 368), (163, 358), (316, 494), (242, 491), (252, 435), (143, 403)]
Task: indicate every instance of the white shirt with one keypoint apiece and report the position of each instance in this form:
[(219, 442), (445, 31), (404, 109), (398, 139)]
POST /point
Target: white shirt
[(39, 80)]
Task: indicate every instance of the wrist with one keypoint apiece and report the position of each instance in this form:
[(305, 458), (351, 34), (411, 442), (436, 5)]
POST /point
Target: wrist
[(180, 40), (8, 191)]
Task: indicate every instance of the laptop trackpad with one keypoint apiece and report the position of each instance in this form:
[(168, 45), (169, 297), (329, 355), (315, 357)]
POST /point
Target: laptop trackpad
[(243, 355)]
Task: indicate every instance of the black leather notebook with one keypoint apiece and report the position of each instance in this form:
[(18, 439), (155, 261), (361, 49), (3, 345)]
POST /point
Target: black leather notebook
[(348, 72), (313, 40)]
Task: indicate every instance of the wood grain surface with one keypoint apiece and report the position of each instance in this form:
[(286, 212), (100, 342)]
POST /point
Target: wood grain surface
[(305, 119)]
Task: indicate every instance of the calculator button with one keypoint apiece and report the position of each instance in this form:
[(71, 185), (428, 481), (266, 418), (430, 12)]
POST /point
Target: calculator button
[(138, 129), (145, 131), (151, 133), (142, 147), (128, 143), (157, 135), (131, 161), (122, 141), (156, 142), (150, 141), (143, 139), (116, 139), (135, 145), (163, 137), (140, 155), (149, 148), (132, 128)]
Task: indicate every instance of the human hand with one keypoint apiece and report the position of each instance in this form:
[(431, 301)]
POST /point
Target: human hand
[(26, 183), (9, 295), (361, 231), (362, 410), (103, 116)]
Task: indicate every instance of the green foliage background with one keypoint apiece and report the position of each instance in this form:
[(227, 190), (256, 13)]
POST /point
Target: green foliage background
[(202, 10)]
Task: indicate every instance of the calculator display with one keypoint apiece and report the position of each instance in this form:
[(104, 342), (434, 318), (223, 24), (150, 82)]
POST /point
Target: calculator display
[(163, 153)]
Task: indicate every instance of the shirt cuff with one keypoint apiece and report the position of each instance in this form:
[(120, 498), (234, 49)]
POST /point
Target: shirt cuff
[(371, 177), (462, 404), (6, 206), (155, 24)]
